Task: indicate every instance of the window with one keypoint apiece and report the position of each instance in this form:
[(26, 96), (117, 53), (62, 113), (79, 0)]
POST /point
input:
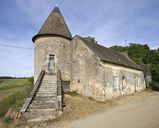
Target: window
[(123, 84), (115, 83), (136, 81), (66, 86)]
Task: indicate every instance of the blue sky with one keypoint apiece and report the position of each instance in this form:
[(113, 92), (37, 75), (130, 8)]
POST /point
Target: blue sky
[(111, 22)]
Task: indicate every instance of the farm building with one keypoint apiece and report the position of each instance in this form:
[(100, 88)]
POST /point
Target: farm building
[(65, 63)]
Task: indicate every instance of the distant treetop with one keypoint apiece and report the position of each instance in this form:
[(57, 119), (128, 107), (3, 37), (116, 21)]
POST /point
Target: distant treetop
[(91, 39)]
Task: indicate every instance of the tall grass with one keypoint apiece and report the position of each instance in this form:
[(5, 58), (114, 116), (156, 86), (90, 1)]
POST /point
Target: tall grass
[(16, 100)]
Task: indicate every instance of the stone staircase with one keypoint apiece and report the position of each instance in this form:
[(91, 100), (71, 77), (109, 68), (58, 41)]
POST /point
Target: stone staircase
[(44, 104)]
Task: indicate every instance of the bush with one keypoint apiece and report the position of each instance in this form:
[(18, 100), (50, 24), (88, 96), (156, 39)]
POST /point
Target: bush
[(7, 120), (155, 85)]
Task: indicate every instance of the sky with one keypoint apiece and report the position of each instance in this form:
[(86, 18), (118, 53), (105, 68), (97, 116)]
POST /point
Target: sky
[(111, 22)]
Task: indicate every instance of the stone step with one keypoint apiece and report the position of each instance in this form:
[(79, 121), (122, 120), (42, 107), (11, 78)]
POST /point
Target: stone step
[(47, 92), (44, 101), (41, 115), (43, 106), (42, 118), (48, 83), (48, 87), (46, 95), (45, 98), (35, 106), (50, 79), (45, 89), (52, 110)]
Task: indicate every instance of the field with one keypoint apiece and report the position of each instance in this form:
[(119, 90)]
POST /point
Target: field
[(13, 92)]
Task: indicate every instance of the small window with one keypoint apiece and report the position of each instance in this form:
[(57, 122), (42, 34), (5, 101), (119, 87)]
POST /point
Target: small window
[(115, 83), (66, 86)]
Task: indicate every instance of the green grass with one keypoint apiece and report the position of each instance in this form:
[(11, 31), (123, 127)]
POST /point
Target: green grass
[(16, 99), (13, 83)]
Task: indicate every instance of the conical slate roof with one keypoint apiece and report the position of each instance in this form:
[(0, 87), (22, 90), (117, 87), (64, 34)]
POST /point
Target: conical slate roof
[(54, 25)]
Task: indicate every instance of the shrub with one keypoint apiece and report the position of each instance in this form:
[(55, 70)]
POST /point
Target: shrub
[(7, 120), (155, 85)]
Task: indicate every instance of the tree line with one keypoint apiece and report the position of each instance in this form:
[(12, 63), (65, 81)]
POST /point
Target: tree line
[(142, 54)]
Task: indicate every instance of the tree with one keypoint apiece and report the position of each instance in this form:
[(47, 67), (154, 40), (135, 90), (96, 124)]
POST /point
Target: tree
[(142, 54), (91, 39), (119, 48), (138, 52)]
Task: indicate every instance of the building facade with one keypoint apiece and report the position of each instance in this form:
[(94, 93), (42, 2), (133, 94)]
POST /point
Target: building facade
[(86, 67)]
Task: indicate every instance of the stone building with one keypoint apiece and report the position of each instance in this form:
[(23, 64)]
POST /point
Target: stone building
[(85, 67)]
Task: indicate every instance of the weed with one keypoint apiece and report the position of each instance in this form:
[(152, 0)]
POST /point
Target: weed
[(8, 120), (90, 98), (72, 93)]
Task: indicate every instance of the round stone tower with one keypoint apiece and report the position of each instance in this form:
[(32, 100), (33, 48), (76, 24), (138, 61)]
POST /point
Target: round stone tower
[(53, 47)]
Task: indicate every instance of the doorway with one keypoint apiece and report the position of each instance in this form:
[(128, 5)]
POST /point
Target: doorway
[(51, 64)]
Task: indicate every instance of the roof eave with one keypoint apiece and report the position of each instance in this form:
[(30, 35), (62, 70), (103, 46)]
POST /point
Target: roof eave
[(49, 35), (140, 69)]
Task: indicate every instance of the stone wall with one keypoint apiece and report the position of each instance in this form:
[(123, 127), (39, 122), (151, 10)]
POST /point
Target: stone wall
[(85, 71), (129, 80), (93, 78), (57, 46)]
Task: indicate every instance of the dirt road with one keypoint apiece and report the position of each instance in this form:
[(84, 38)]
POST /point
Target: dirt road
[(138, 111)]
